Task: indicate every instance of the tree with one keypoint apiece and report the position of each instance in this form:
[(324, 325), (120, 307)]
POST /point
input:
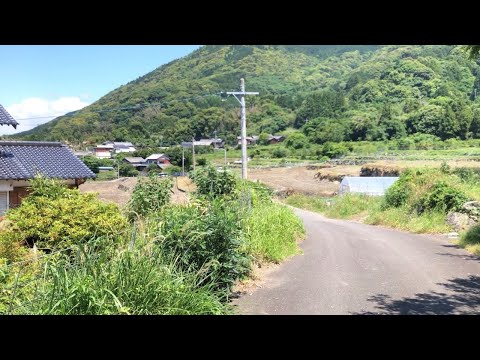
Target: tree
[(92, 163), (263, 138), (127, 170), (296, 141), (473, 51)]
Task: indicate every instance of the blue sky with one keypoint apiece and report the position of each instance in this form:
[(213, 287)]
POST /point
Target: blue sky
[(50, 80)]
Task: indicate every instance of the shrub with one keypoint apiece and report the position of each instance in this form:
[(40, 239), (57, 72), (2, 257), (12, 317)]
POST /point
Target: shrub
[(172, 169), (442, 197), (201, 161), (150, 195), (279, 153), (208, 238), (397, 194), (471, 237), (55, 217), (213, 183), (127, 170)]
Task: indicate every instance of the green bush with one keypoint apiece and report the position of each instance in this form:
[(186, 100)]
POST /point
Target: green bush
[(279, 153), (471, 237), (213, 183), (150, 195), (442, 197), (206, 238), (201, 161), (397, 194), (127, 170), (55, 217)]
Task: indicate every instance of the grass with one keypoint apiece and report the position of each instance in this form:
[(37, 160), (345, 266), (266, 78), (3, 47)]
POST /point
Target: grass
[(402, 219), (272, 232), (344, 207), (470, 240), (368, 209), (135, 281)]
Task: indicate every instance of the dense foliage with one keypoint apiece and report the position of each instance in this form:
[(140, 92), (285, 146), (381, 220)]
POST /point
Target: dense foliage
[(213, 183), (55, 217), (328, 93), (150, 195)]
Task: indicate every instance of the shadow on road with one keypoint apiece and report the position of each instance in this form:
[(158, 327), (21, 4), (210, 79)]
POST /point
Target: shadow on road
[(463, 298)]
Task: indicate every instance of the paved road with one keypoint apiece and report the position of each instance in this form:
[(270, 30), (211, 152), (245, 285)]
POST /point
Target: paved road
[(352, 268)]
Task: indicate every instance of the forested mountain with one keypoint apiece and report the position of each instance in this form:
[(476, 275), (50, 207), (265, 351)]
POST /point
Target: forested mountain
[(329, 92)]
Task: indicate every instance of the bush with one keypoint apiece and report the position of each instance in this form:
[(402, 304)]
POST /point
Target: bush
[(279, 153), (172, 169), (442, 197), (150, 195), (201, 161), (127, 170), (397, 194), (55, 217), (213, 183), (206, 238), (471, 237)]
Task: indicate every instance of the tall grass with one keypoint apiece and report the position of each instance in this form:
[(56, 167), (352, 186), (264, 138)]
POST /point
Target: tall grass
[(342, 207), (369, 208), (471, 240), (403, 219), (127, 281), (272, 231)]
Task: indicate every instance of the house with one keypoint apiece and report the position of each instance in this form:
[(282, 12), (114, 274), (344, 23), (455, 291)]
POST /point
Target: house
[(251, 140), (20, 161), (123, 147), (275, 139), (103, 151), (138, 162), (6, 118), (375, 186), (216, 143), (159, 159)]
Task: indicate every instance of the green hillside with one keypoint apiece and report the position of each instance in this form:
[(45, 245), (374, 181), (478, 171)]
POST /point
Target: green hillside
[(329, 92)]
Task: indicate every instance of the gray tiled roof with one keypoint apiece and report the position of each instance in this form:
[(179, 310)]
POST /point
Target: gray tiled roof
[(23, 159), (6, 118)]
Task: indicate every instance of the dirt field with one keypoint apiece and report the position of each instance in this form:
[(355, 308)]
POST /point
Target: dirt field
[(120, 190), (296, 179)]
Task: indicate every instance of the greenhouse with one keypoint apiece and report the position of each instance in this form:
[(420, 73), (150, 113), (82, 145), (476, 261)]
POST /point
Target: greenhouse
[(375, 186)]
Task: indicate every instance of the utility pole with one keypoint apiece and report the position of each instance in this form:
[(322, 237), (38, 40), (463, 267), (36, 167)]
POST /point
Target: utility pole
[(193, 153), (243, 119), (225, 151)]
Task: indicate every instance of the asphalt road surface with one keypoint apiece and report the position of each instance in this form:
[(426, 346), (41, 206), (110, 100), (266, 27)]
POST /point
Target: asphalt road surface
[(352, 268)]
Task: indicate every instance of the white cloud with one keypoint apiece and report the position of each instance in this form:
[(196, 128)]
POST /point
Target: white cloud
[(34, 108)]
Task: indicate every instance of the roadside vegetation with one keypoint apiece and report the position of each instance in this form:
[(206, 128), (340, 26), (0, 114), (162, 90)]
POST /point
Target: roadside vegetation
[(154, 258), (419, 201)]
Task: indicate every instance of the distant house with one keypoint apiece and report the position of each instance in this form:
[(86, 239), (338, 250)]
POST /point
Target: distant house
[(138, 162), (375, 186), (217, 143), (251, 140), (103, 151), (275, 139), (20, 161), (159, 159), (6, 118), (123, 147)]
